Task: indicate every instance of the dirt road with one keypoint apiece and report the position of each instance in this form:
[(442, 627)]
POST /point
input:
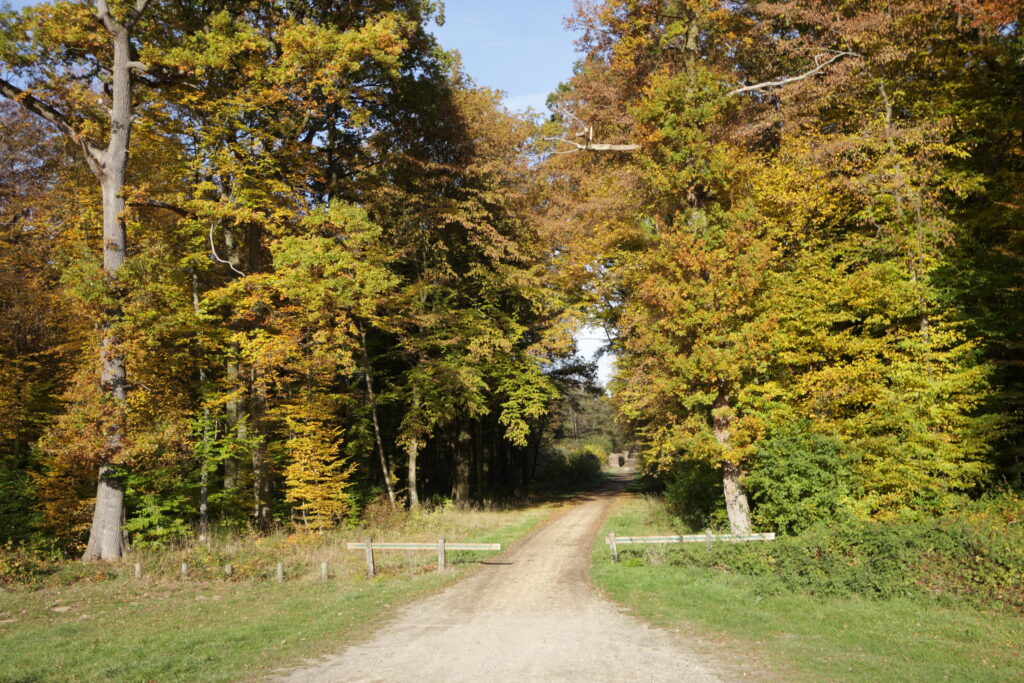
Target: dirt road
[(529, 615)]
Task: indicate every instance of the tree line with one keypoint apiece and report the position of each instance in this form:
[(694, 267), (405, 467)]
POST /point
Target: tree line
[(263, 259), (264, 256), (811, 263)]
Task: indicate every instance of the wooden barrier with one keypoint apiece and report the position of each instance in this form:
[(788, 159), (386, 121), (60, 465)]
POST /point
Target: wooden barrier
[(442, 547), (614, 541)]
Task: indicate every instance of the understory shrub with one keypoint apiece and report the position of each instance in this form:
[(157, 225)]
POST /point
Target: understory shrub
[(798, 478), (572, 466), (693, 493), (976, 555)]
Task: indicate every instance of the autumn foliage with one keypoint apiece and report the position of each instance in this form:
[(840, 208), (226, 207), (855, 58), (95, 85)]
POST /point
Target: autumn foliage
[(350, 272)]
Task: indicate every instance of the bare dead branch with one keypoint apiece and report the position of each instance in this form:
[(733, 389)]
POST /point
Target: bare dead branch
[(791, 79), (218, 259)]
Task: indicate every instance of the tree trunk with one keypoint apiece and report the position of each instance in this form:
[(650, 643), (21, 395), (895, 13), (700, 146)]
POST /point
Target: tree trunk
[(237, 425), (385, 461), (736, 504), (106, 538), (260, 470), (260, 488), (413, 451), (463, 465), (204, 473), (106, 535), (479, 460)]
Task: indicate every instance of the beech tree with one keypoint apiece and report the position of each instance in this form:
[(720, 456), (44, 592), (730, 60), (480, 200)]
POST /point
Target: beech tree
[(100, 125)]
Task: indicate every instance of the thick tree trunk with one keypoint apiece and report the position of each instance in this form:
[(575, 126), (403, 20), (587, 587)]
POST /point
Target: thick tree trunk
[(106, 537), (736, 504)]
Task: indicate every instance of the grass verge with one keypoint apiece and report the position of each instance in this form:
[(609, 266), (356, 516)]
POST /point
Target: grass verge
[(113, 627), (848, 638)]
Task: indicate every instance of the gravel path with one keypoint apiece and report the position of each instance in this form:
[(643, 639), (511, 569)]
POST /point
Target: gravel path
[(528, 615)]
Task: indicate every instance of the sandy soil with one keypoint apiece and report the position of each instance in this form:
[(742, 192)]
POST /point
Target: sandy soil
[(530, 614)]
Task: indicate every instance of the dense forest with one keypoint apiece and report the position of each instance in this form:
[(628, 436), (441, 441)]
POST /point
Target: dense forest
[(265, 261)]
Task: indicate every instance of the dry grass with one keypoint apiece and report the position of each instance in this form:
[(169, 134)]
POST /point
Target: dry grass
[(254, 557)]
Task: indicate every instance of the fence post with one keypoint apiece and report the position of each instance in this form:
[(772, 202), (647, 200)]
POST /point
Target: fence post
[(323, 571), (280, 572), (369, 557), (184, 569), (707, 536), (440, 555), (228, 570), (138, 570), (611, 543)]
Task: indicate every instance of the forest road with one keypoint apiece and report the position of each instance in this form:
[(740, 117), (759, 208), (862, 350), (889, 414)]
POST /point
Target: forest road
[(530, 614)]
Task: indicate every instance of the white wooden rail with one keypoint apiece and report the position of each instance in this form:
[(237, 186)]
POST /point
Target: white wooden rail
[(441, 546), (615, 541)]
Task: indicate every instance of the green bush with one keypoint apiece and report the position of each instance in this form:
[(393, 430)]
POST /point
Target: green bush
[(574, 466), (693, 493), (18, 513), (976, 555), (798, 478)]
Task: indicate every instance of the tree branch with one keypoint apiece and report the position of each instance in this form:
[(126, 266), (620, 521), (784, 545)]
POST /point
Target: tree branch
[(93, 155), (791, 79), (152, 203), (103, 14), (593, 146), (213, 252), (37, 107)]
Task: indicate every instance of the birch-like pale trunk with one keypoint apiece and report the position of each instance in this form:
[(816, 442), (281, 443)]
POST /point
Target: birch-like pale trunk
[(412, 450)]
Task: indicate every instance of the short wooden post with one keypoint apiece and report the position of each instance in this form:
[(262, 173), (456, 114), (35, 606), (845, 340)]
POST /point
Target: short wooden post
[(323, 571), (228, 570), (615, 549), (440, 555), (280, 572), (369, 557), (138, 570), (184, 569), (707, 538)]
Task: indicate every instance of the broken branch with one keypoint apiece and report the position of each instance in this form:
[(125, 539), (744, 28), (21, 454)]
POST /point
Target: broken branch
[(791, 79)]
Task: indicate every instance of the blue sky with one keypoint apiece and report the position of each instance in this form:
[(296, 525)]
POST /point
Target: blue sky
[(520, 47)]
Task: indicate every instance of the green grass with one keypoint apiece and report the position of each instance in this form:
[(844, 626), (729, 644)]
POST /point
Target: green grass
[(851, 638), (164, 629)]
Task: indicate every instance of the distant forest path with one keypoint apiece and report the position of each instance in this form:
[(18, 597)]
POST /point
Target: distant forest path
[(530, 614)]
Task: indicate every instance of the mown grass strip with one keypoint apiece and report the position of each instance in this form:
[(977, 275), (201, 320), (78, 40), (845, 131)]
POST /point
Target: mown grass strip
[(849, 639)]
